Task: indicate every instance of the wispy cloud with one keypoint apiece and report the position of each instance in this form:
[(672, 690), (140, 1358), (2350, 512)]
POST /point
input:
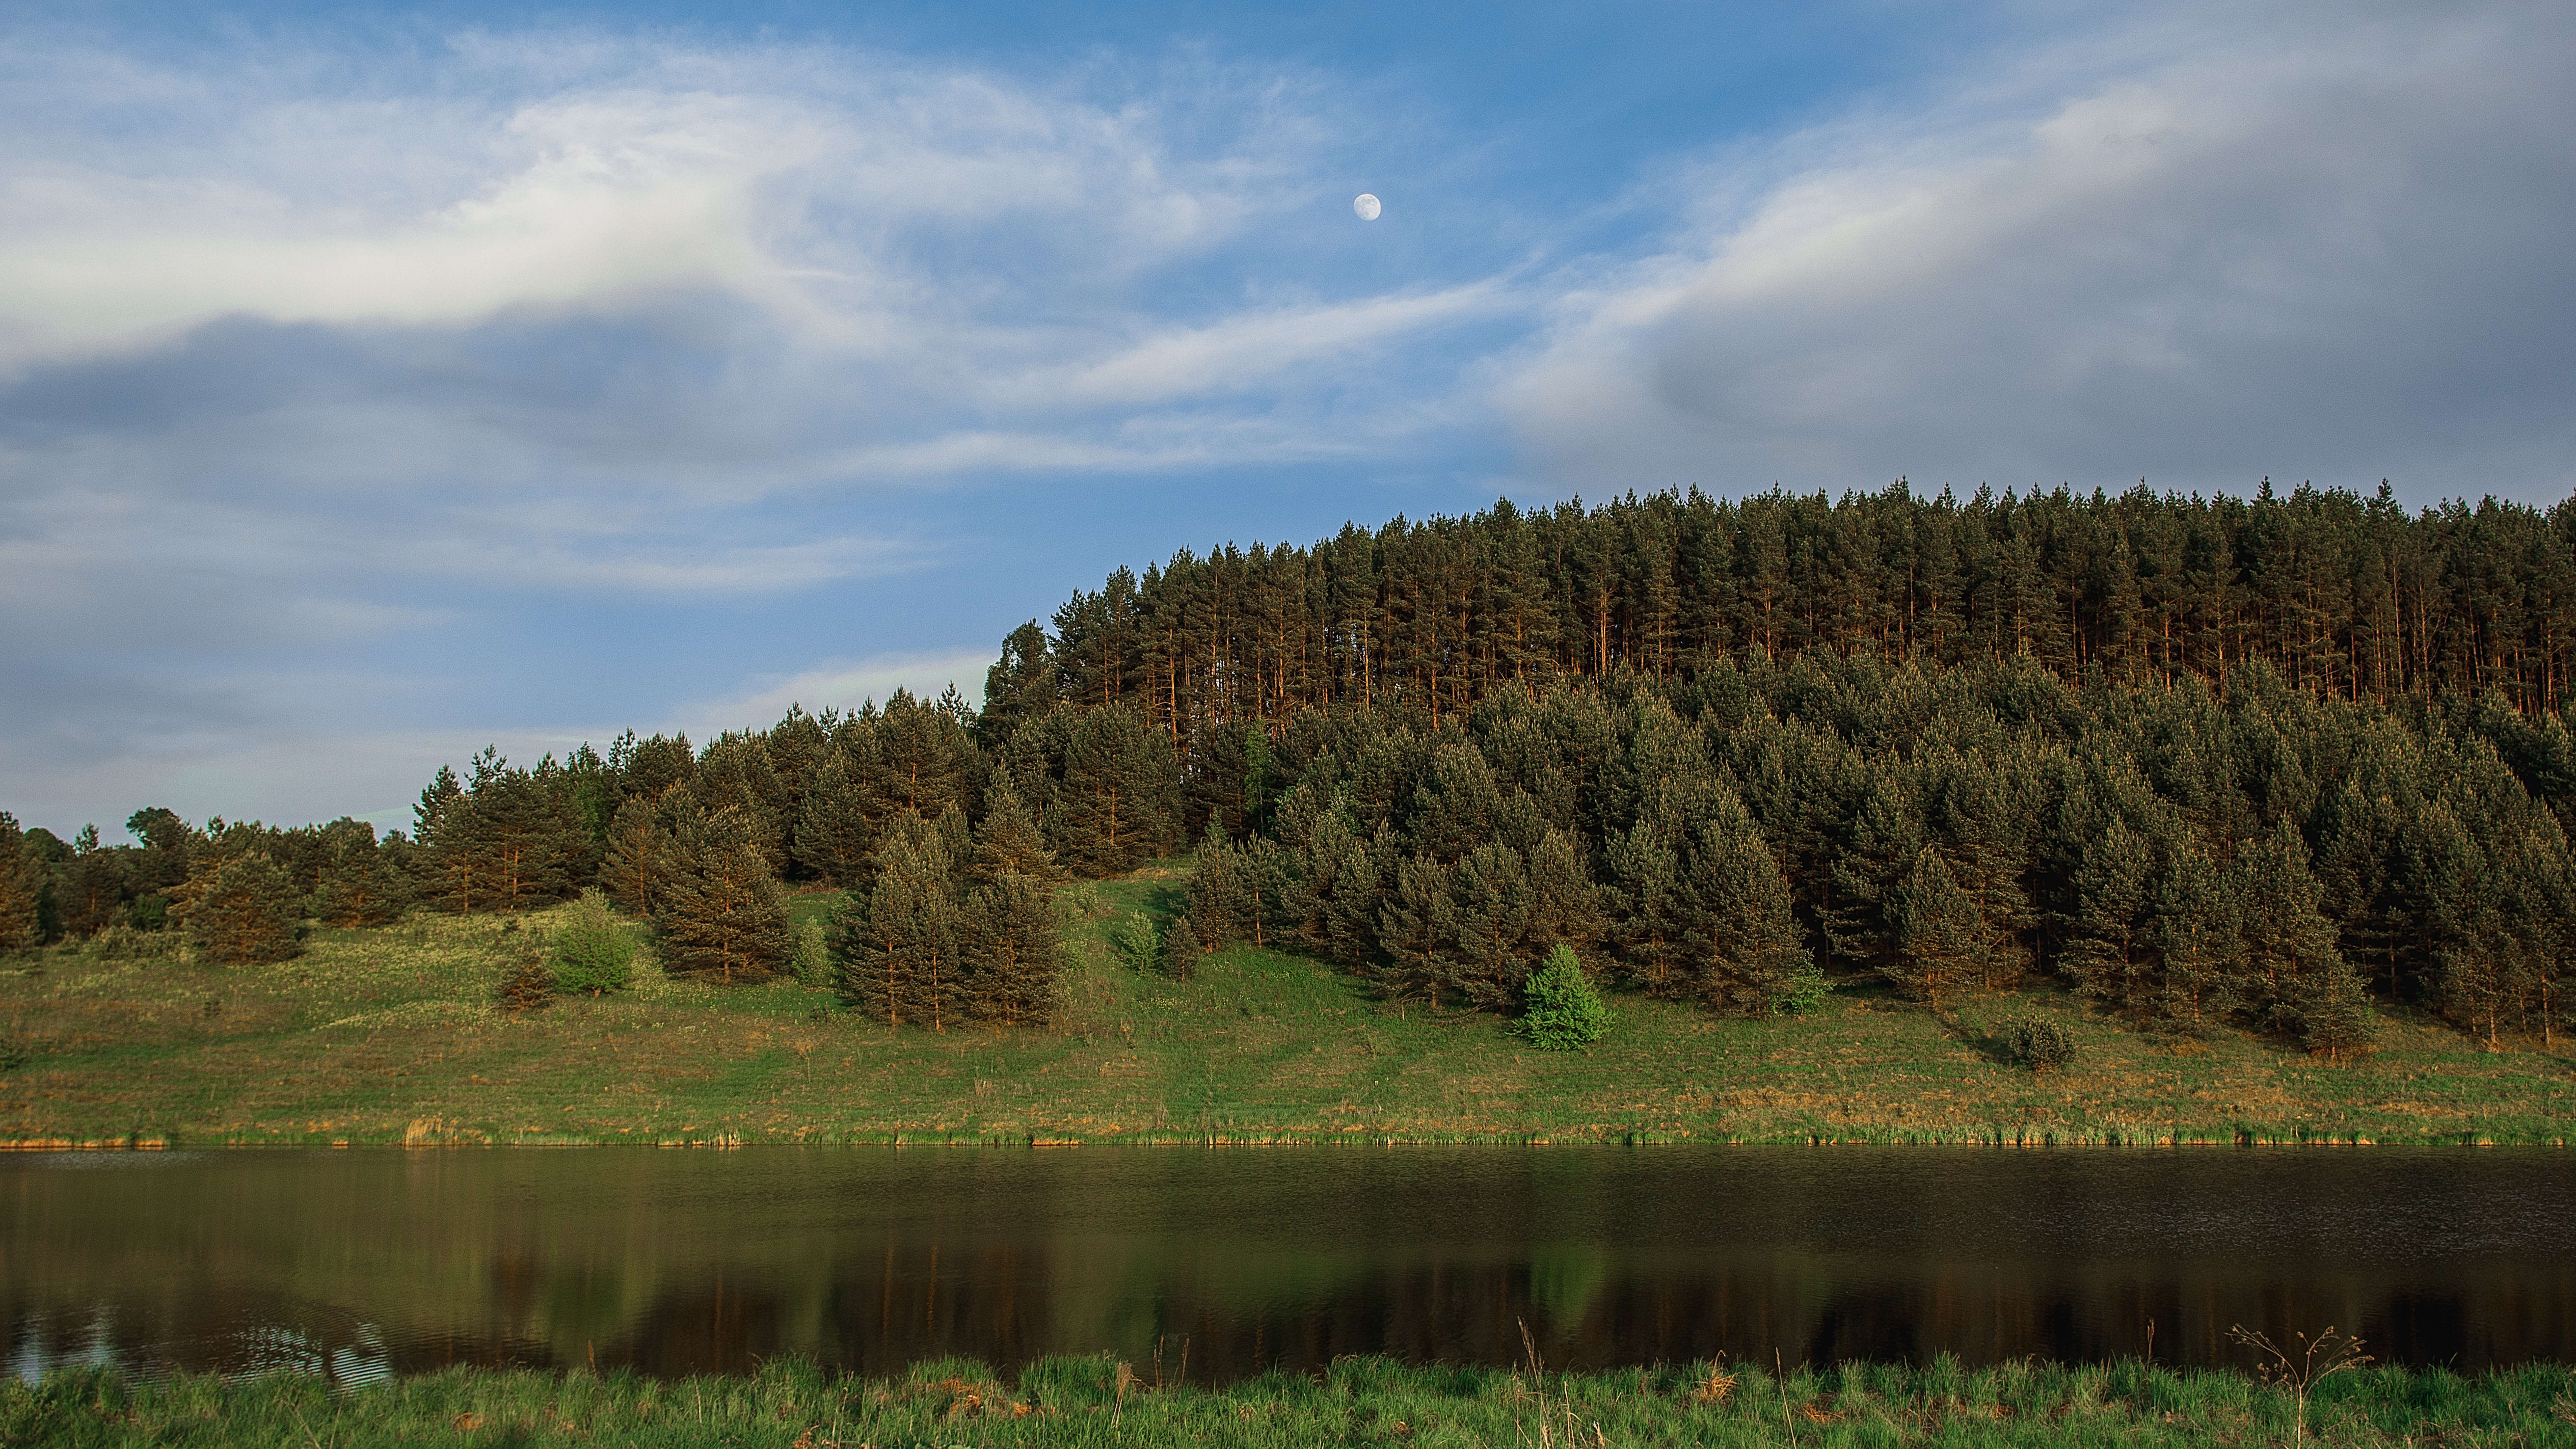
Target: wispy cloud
[(2203, 245)]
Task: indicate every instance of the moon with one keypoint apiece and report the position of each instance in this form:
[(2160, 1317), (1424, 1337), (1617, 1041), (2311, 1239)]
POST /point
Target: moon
[(1366, 205)]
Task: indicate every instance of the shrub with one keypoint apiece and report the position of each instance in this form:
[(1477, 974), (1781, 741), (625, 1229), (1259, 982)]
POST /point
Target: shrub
[(1137, 942), (593, 955), (1801, 992), (1561, 1010), (2039, 1044)]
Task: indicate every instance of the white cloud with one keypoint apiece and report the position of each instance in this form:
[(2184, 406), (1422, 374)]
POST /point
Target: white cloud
[(838, 684), (2224, 246)]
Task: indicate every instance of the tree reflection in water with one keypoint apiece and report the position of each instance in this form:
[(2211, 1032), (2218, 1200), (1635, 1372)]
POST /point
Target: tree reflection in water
[(355, 1264)]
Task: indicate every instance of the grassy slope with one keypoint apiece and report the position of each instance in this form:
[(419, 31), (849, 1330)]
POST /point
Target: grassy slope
[(389, 1035), (1364, 1401)]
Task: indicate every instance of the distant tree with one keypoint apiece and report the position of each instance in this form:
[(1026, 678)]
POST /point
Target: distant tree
[(22, 886), (1021, 684), (358, 886), (640, 855), (835, 827), (902, 955), (1115, 806), (1015, 949), (1940, 936), (243, 911), (721, 913), (93, 889)]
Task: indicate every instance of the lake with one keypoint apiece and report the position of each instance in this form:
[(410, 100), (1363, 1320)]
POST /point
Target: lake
[(360, 1263)]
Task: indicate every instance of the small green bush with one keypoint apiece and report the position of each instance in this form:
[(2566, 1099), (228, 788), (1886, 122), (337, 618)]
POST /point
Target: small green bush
[(1561, 1010), (2039, 1044), (593, 955), (1138, 942), (1802, 991)]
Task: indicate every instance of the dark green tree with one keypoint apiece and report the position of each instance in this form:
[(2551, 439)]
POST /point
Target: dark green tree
[(243, 911)]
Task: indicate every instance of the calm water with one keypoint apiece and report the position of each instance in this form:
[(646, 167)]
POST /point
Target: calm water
[(360, 1263)]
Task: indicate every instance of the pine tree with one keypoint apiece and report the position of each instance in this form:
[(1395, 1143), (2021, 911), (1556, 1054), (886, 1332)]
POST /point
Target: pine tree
[(1015, 950), (1009, 842), (835, 830), (243, 911), (1116, 806), (1939, 936), (900, 960), (1492, 908), (1738, 935), (2290, 961), (720, 911), (1021, 684), (2108, 951), (1562, 1011), (2197, 939), (92, 889), (639, 863), (1222, 906), (357, 886), (1180, 948), (21, 886)]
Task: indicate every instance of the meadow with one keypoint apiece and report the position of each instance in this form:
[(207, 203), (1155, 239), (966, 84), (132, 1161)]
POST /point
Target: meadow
[(1093, 1401), (396, 1035)]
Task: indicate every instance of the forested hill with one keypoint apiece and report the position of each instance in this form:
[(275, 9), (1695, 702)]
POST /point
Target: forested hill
[(2345, 596), (2269, 765)]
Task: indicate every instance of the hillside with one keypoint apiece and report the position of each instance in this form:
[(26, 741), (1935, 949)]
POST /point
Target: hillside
[(391, 1035)]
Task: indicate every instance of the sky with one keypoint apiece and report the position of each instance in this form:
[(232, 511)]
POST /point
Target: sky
[(378, 383)]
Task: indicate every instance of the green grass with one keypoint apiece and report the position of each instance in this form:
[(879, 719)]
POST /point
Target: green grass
[(391, 1035), (1360, 1401)]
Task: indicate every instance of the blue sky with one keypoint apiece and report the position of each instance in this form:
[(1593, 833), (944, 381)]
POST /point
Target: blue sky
[(375, 384)]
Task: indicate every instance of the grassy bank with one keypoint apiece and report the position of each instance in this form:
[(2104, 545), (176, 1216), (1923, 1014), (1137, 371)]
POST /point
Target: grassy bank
[(391, 1035), (1095, 1402)]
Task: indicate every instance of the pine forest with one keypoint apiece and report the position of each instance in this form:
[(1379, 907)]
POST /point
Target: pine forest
[(2268, 765)]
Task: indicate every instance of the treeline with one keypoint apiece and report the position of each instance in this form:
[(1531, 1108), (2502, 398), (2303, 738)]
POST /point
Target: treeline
[(2262, 763), (2343, 596)]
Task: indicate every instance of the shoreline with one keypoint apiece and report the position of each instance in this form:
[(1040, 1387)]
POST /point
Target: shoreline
[(794, 1404)]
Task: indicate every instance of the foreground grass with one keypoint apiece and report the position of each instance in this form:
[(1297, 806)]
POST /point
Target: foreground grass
[(1372, 1401), (391, 1036)]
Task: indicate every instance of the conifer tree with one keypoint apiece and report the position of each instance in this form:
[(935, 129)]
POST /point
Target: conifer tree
[(21, 884), (2196, 937), (901, 962), (1180, 948), (242, 911), (2290, 962), (720, 911), (1115, 809), (1009, 842), (639, 857), (1222, 908), (834, 828), (1492, 907), (1940, 937), (1015, 950), (1738, 933), (2109, 952), (1021, 684), (1562, 1010), (358, 886), (92, 888)]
